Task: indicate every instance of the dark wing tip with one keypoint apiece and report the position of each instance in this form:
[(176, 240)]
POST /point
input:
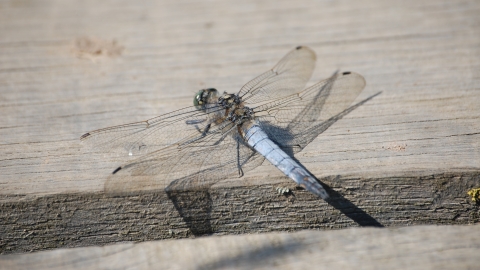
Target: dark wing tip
[(298, 47), (346, 73), (84, 136), (116, 170)]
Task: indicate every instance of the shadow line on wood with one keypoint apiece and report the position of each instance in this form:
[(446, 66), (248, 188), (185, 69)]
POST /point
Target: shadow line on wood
[(259, 256)]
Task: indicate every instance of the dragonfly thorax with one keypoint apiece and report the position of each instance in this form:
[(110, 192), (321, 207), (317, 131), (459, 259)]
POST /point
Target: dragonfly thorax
[(235, 110), (229, 100), (240, 114)]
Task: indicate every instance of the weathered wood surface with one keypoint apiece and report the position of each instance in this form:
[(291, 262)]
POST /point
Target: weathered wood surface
[(416, 247), (407, 156)]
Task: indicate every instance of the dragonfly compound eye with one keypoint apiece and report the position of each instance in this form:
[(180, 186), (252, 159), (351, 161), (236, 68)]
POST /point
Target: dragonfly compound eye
[(202, 97)]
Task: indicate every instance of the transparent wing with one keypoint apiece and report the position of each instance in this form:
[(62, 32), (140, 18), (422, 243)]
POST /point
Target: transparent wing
[(222, 153), (153, 134), (289, 76), (196, 148), (294, 121)]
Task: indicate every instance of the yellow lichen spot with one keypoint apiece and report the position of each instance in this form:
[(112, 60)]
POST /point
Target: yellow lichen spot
[(475, 194)]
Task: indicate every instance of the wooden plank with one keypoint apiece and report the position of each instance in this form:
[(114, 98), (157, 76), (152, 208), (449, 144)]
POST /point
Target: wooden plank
[(416, 247), (407, 156)]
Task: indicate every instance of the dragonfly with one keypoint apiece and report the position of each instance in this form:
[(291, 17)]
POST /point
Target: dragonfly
[(272, 117)]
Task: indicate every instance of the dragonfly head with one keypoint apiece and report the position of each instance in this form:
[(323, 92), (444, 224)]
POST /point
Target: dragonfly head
[(203, 97)]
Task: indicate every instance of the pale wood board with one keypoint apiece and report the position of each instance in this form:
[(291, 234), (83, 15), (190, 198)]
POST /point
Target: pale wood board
[(407, 156), (417, 247)]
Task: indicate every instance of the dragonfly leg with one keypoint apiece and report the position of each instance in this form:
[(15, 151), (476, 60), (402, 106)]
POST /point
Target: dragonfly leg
[(198, 129), (195, 122), (203, 132), (239, 166)]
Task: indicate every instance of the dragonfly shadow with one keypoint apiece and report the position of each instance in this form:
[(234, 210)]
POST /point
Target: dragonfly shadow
[(195, 208), (350, 210), (195, 205)]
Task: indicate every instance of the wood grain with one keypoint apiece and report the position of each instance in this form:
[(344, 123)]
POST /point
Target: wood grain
[(407, 156), (417, 247)]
